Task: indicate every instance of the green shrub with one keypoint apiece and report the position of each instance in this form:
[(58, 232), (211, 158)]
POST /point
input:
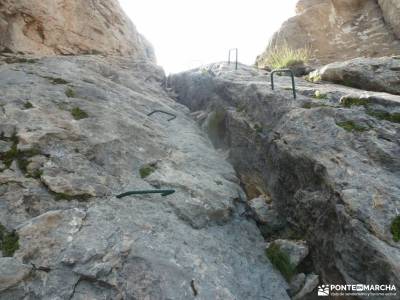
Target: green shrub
[(57, 80), (78, 113), (349, 102), (281, 261), (395, 229), (20, 156), (283, 56), (70, 93), (9, 241), (146, 170), (28, 105)]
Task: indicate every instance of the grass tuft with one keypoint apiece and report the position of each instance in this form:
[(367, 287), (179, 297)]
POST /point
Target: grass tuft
[(283, 56), (383, 115), (281, 261), (28, 105), (78, 113), (70, 93), (9, 242), (395, 229), (351, 126), (349, 102), (146, 170)]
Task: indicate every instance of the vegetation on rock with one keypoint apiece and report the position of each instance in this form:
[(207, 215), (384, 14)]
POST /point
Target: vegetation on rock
[(395, 229), (9, 241), (70, 93), (28, 105), (349, 102), (281, 261), (146, 170), (383, 115), (351, 126), (283, 56), (78, 113), (319, 95)]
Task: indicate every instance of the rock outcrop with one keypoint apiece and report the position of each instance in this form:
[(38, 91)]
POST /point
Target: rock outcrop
[(336, 30), (373, 74), (75, 133), (70, 27), (391, 9), (330, 167)]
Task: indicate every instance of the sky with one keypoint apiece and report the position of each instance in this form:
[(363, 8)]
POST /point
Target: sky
[(189, 33)]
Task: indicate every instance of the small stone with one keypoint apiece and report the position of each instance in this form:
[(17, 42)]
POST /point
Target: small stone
[(311, 283), (297, 283)]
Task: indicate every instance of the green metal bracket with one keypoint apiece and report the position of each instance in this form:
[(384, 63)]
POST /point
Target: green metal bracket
[(163, 193), (229, 57), (284, 71), (164, 112)]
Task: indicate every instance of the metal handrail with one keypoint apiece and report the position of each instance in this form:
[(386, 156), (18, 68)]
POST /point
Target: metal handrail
[(229, 57), (284, 71), (163, 193), (164, 112)]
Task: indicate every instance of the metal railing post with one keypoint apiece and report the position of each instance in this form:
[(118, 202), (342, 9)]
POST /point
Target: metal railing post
[(237, 55), (284, 71)]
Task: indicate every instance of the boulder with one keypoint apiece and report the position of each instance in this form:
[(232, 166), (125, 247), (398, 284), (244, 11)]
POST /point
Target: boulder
[(337, 30), (373, 74), (70, 27)]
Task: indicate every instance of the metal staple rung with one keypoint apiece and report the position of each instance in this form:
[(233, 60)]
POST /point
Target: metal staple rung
[(284, 71), (229, 57), (164, 112)]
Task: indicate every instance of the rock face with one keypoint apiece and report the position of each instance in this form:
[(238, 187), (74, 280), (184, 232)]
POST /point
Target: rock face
[(70, 27), (75, 133), (390, 9), (336, 30), (373, 74), (330, 168)]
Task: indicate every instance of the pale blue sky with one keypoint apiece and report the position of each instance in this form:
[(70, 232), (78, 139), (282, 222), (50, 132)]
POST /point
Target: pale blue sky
[(188, 33)]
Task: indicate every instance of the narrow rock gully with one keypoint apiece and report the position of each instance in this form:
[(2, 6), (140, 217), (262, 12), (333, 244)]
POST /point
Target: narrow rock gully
[(272, 195)]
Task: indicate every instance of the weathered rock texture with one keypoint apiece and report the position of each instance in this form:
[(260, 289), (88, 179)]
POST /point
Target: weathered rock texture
[(69, 27), (331, 170), (373, 74), (391, 9), (81, 129), (337, 30)]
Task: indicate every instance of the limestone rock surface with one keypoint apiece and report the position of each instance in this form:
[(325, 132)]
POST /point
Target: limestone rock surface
[(80, 134), (373, 74), (330, 168), (390, 9), (49, 27), (336, 30)]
